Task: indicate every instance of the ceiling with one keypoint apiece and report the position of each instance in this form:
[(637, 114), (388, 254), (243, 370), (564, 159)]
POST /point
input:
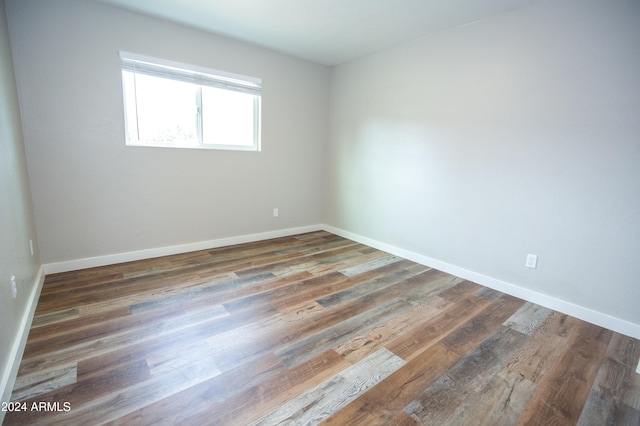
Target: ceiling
[(328, 32)]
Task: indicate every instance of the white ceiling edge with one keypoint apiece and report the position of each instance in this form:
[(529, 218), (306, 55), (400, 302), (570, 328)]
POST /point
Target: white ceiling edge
[(328, 32)]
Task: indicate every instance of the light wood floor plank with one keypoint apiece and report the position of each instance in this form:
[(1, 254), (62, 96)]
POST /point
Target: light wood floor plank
[(266, 397), (386, 400), (28, 386), (325, 399), (528, 318)]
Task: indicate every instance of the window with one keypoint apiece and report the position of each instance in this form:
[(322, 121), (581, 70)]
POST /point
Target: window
[(170, 104)]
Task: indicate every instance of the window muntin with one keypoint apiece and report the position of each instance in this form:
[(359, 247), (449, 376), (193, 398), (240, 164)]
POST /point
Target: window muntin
[(168, 104)]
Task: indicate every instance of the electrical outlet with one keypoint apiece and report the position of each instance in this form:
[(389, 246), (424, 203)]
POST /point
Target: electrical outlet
[(275, 212), (532, 261), (31, 247), (14, 287)]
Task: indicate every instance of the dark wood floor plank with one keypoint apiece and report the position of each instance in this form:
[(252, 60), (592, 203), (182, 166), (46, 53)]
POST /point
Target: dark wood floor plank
[(157, 277), (440, 402), (146, 293), (273, 295), (121, 291), (460, 290), (306, 329), (615, 395), (195, 293), (311, 346), (402, 419), (382, 334), (61, 325), (320, 291), (239, 344), (384, 401), (429, 331), (488, 293), (562, 393), (283, 245), (416, 289), (484, 324), (331, 258), (544, 348), (280, 330), (499, 402), (233, 294), (300, 341), (51, 339), (59, 286), (368, 287), (505, 395)]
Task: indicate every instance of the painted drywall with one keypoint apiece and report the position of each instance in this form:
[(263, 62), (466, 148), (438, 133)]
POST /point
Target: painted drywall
[(17, 225), (516, 134), (93, 196)]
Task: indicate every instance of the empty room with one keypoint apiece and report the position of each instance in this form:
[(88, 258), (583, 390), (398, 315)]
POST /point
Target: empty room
[(320, 212)]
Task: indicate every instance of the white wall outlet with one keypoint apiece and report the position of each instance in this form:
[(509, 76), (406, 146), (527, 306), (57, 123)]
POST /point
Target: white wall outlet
[(31, 247), (275, 212), (532, 261), (14, 287)]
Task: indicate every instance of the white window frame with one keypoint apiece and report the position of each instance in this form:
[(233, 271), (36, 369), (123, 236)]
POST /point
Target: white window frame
[(200, 76)]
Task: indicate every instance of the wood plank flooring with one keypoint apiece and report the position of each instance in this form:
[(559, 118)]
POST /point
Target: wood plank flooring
[(311, 329)]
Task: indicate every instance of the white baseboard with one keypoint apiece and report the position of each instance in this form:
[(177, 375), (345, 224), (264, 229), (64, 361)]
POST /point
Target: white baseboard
[(112, 259), (586, 314), (12, 365)]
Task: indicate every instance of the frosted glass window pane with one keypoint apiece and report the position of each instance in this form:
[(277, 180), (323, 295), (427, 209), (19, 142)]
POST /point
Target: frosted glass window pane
[(227, 117), (167, 112)]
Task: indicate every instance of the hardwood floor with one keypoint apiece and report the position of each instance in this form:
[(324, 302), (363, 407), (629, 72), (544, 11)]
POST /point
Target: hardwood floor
[(311, 329)]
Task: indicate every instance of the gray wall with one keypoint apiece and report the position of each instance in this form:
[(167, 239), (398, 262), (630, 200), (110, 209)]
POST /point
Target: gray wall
[(516, 134), (16, 217), (93, 196)]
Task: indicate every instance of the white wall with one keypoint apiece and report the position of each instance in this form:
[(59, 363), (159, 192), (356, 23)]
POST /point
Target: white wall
[(16, 223), (93, 196), (513, 135)]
